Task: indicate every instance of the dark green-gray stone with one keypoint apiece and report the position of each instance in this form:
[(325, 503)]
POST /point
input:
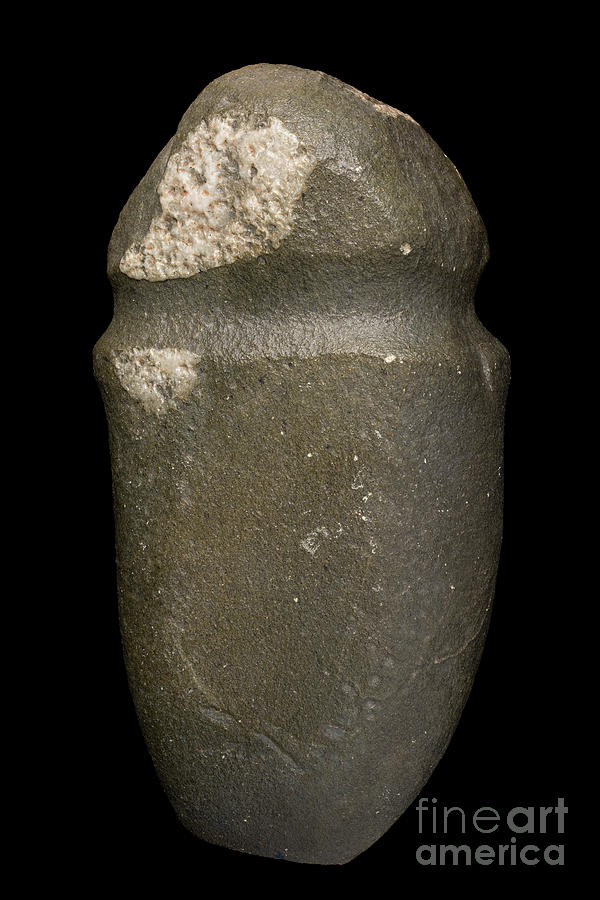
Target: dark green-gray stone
[(306, 433)]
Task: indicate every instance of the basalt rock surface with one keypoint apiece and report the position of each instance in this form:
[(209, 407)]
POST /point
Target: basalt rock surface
[(305, 422)]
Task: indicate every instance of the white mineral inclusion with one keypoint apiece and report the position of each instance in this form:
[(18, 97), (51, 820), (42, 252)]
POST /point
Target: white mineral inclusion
[(159, 379), (228, 193)]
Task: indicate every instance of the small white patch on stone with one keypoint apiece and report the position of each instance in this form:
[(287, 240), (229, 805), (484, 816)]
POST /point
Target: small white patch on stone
[(345, 163), (159, 379), (389, 358), (311, 542), (405, 248), (357, 482), (228, 193)]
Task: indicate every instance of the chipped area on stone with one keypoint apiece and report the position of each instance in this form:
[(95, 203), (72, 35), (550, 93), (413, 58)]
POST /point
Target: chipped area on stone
[(159, 379), (380, 107), (391, 111), (228, 193), (405, 248)]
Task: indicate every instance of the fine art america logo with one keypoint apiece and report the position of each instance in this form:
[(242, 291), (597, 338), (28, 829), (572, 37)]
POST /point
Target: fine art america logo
[(529, 835)]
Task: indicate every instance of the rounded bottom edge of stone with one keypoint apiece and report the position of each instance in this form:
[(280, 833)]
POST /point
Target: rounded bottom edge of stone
[(327, 856)]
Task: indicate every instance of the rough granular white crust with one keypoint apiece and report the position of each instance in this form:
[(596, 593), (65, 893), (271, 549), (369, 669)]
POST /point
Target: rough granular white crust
[(159, 379), (228, 193)]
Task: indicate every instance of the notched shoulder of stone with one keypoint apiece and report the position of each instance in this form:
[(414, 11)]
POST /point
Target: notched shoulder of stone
[(250, 171)]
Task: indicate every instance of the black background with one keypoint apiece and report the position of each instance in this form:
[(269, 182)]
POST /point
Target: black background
[(492, 95)]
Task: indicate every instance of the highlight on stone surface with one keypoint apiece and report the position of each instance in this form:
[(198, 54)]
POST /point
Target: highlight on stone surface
[(306, 422)]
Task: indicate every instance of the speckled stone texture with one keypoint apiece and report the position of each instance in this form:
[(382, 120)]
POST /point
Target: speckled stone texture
[(306, 433)]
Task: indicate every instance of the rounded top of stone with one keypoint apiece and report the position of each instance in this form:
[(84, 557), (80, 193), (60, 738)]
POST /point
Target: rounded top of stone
[(275, 159)]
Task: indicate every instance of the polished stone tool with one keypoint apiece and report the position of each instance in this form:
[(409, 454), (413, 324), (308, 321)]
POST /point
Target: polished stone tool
[(306, 434)]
